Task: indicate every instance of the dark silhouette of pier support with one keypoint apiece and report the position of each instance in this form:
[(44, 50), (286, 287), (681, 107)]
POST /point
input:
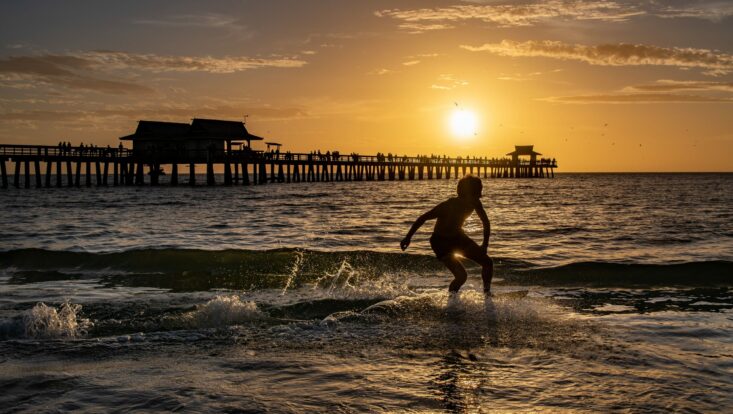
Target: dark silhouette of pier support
[(245, 167)]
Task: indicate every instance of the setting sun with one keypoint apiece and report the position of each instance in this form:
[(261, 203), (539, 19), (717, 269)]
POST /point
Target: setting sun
[(463, 123)]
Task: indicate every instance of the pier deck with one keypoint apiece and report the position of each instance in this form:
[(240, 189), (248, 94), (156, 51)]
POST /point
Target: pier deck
[(62, 167)]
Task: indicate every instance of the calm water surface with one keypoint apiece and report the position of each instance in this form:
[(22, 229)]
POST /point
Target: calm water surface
[(292, 298)]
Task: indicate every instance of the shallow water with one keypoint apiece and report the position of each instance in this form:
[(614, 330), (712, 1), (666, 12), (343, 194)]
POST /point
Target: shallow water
[(174, 299)]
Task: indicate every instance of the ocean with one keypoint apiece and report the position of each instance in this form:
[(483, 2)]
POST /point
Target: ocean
[(297, 298)]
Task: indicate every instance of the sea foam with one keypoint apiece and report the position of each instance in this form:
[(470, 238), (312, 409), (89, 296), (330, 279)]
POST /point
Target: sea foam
[(48, 322), (224, 311)]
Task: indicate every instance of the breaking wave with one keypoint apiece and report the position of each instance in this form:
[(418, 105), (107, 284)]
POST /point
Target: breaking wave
[(47, 322), (224, 311), (287, 269)]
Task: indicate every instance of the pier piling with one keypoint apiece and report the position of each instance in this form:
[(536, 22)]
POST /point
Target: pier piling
[(4, 173), (256, 168)]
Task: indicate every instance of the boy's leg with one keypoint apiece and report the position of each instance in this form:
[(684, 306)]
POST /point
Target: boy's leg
[(487, 265), (487, 273), (459, 273)]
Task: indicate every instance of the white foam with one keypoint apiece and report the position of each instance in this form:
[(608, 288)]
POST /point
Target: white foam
[(224, 311), (469, 304), (47, 322)]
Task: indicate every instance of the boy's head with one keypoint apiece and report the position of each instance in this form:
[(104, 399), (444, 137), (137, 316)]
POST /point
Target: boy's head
[(469, 187)]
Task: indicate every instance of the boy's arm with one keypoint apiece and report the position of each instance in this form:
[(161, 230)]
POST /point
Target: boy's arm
[(432, 214), (485, 221)]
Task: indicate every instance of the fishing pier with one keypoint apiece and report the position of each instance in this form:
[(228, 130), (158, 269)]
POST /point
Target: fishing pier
[(227, 144)]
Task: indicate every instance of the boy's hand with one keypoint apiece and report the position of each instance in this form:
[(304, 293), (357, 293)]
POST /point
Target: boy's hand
[(404, 243)]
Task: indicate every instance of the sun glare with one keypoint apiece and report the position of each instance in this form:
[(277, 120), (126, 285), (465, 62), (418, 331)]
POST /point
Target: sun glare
[(463, 123)]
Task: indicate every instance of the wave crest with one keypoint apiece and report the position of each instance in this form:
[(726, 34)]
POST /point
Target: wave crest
[(48, 322), (224, 311)]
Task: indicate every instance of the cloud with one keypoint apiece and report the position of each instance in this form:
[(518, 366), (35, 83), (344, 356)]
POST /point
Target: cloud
[(212, 21), (167, 63), (529, 14), (621, 54), (523, 77), (417, 28), (92, 70), (662, 91), (665, 85), (382, 71), (162, 112), (67, 71), (636, 98), (420, 20), (447, 82), (714, 11), (411, 63)]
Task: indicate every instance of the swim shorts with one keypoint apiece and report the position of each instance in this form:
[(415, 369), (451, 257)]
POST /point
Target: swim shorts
[(461, 244)]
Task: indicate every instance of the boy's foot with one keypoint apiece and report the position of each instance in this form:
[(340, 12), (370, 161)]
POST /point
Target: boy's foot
[(454, 299), (454, 304)]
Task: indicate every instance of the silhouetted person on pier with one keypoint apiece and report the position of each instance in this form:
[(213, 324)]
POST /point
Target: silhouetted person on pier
[(448, 238)]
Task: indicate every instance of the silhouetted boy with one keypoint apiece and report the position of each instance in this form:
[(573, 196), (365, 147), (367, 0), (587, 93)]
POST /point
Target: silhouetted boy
[(448, 238)]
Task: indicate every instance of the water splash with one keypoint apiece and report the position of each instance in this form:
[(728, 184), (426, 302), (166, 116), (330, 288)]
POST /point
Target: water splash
[(224, 311), (48, 322), (295, 269), (348, 282), (340, 280)]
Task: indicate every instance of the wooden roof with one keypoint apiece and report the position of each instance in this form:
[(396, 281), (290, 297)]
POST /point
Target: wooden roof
[(198, 129), (158, 130), (216, 128), (524, 150)]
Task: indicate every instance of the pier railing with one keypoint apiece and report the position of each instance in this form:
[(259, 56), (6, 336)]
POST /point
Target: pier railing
[(15, 150), (127, 166)]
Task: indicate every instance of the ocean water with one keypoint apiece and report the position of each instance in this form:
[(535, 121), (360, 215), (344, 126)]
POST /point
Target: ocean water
[(297, 298)]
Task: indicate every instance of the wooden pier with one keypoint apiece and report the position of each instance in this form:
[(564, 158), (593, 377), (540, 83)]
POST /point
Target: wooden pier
[(213, 142), (51, 166)]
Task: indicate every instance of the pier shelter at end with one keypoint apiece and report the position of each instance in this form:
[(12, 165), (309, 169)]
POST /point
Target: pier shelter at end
[(524, 150), (198, 142)]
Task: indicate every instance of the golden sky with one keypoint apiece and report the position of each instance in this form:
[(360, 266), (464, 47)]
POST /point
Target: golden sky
[(599, 85)]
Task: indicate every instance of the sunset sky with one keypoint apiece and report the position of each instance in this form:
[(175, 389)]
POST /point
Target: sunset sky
[(599, 85)]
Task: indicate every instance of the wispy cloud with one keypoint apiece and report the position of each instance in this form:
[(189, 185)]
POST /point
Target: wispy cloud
[(666, 85), (162, 111), (68, 71), (714, 11), (416, 28), (523, 77), (168, 63), (410, 63), (214, 21), (381, 71), (509, 15), (662, 91), (636, 98), (93, 70), (621, 54), (448, 82)]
